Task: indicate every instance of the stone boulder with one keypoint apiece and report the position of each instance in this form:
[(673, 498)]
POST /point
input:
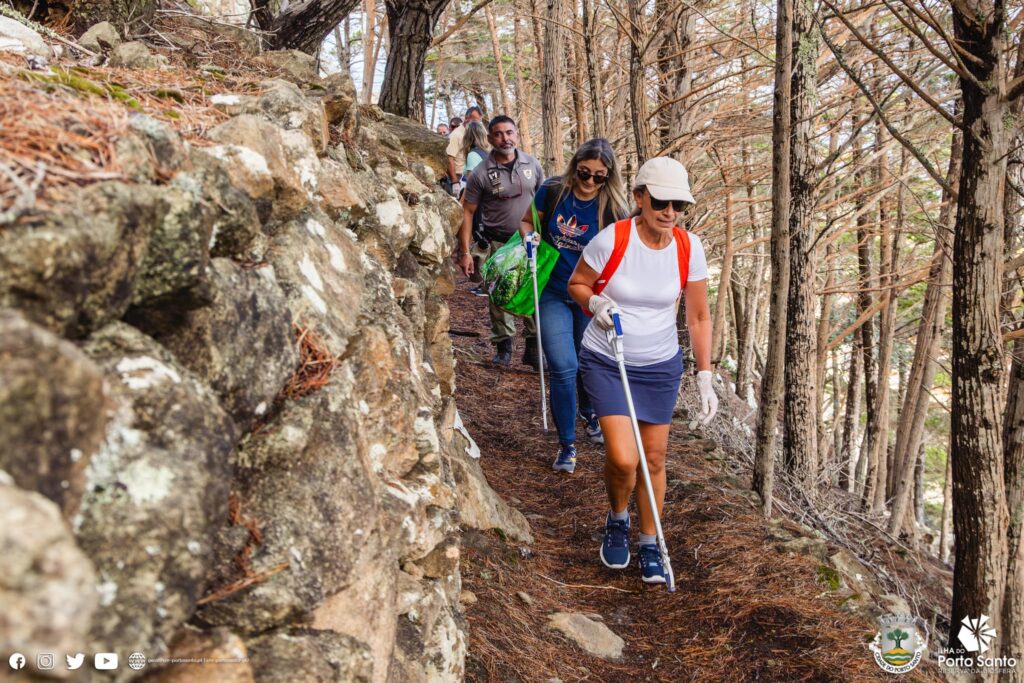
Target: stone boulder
[(479, 507), (156, 493), (174, 269), (100, 37), (283, 103), (295, 65), (591, 636), (53, 411), (259, 162), (166, 147), (341, 103), (136, 55), (320, 267), (73, 271), (235, 230), (418, 142), (306, 477), (47, 585), (299, 654), (16, 37), (242, 345), (431, 643)]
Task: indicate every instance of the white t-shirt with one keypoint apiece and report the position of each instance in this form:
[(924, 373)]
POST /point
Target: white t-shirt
[(454, 149), (646, 288)]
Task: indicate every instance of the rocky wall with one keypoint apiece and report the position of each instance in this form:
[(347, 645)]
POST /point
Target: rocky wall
[(226, 404)]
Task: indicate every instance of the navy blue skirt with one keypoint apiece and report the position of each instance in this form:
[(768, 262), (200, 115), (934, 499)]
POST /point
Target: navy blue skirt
[(654, 387)]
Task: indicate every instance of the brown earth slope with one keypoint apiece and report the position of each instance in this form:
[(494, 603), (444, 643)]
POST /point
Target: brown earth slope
[(742, 611)]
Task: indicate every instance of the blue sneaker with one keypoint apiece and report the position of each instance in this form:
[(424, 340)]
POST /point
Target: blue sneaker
[(566, 460), (615, 546), (651, 568), (593, 429)]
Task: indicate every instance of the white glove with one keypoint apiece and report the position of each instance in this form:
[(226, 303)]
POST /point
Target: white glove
[(708, 398), (602, 307), (533, 237)]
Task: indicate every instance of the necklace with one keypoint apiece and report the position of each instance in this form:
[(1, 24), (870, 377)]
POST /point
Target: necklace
[(581, 204)]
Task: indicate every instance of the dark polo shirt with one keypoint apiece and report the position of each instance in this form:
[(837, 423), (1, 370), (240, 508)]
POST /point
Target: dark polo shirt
[(503, 194)]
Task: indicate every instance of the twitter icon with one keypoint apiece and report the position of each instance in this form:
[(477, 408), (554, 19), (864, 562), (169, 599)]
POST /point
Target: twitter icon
[(75, 662)]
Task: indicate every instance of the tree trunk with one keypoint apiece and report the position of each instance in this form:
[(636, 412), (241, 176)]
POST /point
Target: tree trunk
[(574, 55), (676, 75), (1013, 457), (522, 95), (947, 511), (910, 428), (867, 468), (551, 88), (410, 32), (800, 442), (919, 486), (593, 77), (638, 83), (304, 25), (718, 346), (370, 50), (771, 382), (848, 455), (746, 340), (506, 107), (1013, 417), (980, 515)]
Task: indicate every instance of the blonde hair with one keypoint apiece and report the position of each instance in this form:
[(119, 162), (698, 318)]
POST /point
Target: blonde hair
[(475, 136)]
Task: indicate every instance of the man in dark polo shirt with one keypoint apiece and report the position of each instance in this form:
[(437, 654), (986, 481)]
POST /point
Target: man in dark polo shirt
[(502, 186)]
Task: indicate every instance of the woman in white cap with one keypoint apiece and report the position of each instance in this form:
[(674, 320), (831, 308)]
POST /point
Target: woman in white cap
[(641, 269)]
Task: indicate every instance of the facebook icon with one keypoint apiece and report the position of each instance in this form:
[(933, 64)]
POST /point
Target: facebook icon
[(17, 661)]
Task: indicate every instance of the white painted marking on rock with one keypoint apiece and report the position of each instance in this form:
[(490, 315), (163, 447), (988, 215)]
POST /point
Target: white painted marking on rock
[(337, 258)]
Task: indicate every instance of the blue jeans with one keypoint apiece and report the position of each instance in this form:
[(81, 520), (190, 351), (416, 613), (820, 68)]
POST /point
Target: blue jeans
[(562, 323)]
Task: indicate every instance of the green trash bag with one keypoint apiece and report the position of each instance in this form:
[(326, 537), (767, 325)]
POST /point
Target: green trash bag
[(507, 276)]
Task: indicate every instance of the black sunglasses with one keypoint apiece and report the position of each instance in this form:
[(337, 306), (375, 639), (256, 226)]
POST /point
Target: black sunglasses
[(584, 174), (661, 204)]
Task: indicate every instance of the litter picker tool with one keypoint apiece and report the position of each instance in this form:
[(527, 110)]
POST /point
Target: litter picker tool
[(531, 256), (615, 339)]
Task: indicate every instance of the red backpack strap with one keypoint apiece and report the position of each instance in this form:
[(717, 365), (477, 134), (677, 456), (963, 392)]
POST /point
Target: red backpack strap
[(683, 252), (622, 230)]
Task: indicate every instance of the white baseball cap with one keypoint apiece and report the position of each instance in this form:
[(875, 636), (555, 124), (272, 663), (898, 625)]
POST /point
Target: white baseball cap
[(665, 178)]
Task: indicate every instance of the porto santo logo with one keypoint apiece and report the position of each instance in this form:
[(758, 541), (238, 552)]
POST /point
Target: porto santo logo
[(900, 643), (976, 635)]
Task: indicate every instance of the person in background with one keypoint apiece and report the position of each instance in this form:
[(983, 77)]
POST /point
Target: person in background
[(454, 123), (475, 149), (660, 264), (442, 129), (502, 186), (456, 160), (572, 208)]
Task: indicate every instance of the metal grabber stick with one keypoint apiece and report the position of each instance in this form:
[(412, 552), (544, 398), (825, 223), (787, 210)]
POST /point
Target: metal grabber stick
[(615, 339), (531, 256)]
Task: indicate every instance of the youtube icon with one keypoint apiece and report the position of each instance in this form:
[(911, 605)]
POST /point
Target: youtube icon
[(105, 661)]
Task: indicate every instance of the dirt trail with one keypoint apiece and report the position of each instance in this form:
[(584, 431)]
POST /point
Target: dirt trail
[(742, 611)]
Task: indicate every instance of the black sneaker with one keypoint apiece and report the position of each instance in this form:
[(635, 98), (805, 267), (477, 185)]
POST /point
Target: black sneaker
[(478, 291), (503, 354)]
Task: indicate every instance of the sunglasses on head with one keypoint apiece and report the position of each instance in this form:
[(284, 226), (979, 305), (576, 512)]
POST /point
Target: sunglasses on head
[(584, 174), (661, 204)]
